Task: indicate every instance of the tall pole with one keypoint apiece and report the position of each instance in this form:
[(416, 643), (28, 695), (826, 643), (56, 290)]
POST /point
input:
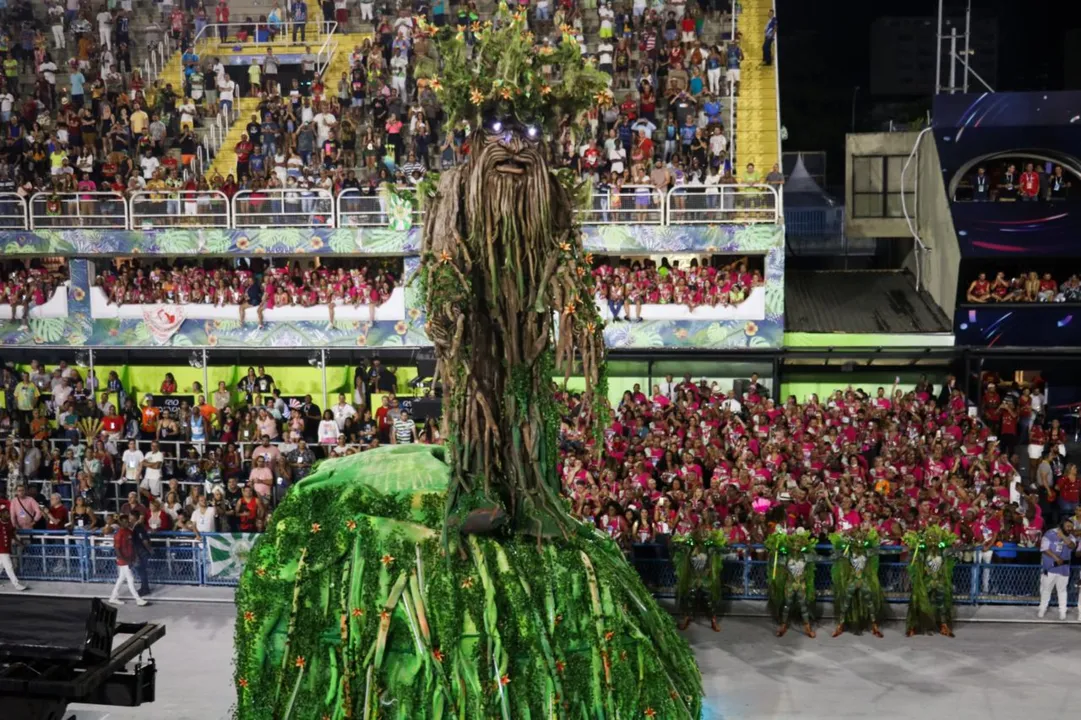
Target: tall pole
[(953, 60), (938, 51), (90, 375), (206, 375), (968, 42), (323, 364)]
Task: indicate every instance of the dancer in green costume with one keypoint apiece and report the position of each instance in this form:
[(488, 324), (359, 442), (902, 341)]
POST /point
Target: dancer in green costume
[(930, 568), (791, 584), (427, 583), (857, 592), (699, 561)]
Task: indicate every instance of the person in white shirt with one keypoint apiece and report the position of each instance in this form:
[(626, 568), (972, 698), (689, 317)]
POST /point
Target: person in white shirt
[(225, 94), (48, 70), (133, 463), (328, 429), (324, 121), (149, 165), (343, 411), (187, 114), (56, 19), (152, 463), (7, 101), (105, 28), (204, 516)]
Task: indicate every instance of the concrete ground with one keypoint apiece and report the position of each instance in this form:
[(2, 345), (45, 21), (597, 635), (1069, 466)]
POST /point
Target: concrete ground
[(991, 670)]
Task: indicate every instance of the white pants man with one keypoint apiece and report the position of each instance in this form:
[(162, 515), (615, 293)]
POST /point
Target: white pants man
[(983, 557), (58, 37), (713, 75), (366, 11), (9, 568), (1053, 581), (105, 36), (124, 575)]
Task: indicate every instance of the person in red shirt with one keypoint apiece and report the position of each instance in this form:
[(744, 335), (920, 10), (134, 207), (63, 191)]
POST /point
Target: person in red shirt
[(56, 513), (221, 15), (1069, 491), (1008, 432), (243, 150), (1030, 184), (124, 546), (7, 536), (248, 510)]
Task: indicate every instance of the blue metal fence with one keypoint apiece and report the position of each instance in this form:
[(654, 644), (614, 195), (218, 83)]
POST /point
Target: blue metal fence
[(1013, 578)]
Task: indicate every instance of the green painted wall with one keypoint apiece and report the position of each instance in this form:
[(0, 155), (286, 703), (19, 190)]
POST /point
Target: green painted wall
[(867, 340)]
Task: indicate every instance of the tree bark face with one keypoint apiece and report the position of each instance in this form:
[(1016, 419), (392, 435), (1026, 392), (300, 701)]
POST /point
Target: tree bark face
[(502, 260)]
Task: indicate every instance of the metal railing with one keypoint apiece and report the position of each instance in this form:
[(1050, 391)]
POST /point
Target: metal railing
[(283, 208), (183, 208), (629, 205), (1012, 578), (245, 34), (13, 212), (69, 211), (304, 207), (696, 204), (355, 209)]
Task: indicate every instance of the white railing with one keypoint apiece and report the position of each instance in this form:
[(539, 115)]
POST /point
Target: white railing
[(630, 205), (183, 208), (777, 82), (60, 211), (303, 207), (237, 33), (13, 212), (287, 207), (325, 55), (358, 210), (697, 204)]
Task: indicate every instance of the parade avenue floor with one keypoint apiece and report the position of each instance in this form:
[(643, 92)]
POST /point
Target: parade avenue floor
[(989, 671)]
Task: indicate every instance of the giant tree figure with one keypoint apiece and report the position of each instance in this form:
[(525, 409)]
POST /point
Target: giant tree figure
[(422, 583), (857, 592), (930, 569)]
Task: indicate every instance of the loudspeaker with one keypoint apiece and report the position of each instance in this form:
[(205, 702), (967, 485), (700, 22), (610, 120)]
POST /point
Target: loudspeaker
[(424, 408), (78, 631), (425, 364)]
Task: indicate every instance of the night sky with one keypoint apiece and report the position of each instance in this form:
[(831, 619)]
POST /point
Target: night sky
[(825, 54)]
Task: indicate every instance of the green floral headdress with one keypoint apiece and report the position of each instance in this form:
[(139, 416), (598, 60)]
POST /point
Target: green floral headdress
[(858, 538), (787, 542), (503, 73), (933, 537)]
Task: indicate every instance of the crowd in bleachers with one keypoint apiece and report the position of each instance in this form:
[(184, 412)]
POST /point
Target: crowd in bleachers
[(626, 287), (26, 285), (692, 455), (1030, 287), (94, 449), (220, 282)]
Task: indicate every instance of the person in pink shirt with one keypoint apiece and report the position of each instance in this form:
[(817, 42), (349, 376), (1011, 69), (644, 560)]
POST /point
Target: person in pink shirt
[(25, 510)]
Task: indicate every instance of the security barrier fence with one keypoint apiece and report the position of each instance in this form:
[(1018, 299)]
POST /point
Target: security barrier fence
[(1012, 578)]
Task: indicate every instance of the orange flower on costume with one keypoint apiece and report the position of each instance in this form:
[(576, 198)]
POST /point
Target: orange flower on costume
[(384, 616), (316, 527), (505, 680), (467, 583), (350, 525), (505, 93), (560, 666), (435, 84), (545, 90), (476, 97), (650, 712), (387, 559), (358, 612), (437, 655), (299, 661), (249, 616), (608, 636), (565, 246), (242, 682)]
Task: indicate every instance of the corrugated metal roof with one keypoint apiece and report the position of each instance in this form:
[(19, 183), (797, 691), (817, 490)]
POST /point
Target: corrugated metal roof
[(859, 302)]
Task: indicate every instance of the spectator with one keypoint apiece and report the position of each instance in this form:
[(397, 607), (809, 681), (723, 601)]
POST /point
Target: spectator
[(7, 538), (1056, 548), (124, 546)]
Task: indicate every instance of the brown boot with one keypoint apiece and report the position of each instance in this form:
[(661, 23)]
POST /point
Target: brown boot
[(809, 630), (714, 624), (782, 630), (686, 622), (945, 630), (875, 631), (840, 629)]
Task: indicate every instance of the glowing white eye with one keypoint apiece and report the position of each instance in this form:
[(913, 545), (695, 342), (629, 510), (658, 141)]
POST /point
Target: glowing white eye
[(532, 131), (497, 126)]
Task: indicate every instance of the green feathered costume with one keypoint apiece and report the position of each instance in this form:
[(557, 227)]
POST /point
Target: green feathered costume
[(857, 591), (791, 576), (452, 583), (930, 569), (699, 563)]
